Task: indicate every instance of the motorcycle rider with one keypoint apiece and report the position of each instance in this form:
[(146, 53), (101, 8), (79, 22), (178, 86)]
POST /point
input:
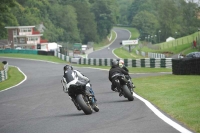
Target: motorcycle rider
[(72, 76), (121, 64), (113, 70)]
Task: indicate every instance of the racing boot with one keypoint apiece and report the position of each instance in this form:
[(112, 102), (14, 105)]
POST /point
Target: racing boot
[(133, 85), (113, 88), (120, 93)]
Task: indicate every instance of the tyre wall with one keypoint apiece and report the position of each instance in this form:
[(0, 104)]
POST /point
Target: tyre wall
[(3, 73), (186, 66)]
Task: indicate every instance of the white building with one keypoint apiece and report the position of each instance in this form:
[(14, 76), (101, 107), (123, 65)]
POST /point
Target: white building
[(51, 46), (170, 39)]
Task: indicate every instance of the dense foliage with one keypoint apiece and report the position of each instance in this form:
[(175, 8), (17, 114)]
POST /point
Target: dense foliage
[(92, 20), (64, 20), (173, 18)]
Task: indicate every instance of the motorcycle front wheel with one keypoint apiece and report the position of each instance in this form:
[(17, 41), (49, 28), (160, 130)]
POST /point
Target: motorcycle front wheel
[(83, 104), (127, 93)]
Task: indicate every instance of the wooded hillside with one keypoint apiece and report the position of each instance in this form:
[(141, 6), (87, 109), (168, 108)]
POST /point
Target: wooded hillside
[(92, 20)]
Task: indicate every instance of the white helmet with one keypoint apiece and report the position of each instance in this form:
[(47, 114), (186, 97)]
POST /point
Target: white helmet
[(121, 63)]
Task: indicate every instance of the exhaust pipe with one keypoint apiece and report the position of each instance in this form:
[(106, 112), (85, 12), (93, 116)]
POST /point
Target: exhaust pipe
[(90, 98)]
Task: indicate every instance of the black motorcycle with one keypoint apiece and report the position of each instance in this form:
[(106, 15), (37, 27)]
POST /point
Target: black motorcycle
[(82, 98), (124, 86)]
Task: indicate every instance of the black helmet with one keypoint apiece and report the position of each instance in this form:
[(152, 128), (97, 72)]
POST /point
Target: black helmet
[(114, 63), (68, 67)]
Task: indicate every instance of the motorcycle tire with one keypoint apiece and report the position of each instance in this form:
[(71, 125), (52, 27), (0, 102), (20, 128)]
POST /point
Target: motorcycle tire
[(127, 93), (84, 106)]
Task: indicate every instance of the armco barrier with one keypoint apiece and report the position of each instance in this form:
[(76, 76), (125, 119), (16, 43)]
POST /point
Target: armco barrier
[(63, 57), (3, 73)]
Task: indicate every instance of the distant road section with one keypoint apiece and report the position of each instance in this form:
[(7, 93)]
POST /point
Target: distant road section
[(106, 52)]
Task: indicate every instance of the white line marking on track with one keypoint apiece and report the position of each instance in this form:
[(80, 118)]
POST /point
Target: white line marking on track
[(149, 105), (157, 112), (163, 117)]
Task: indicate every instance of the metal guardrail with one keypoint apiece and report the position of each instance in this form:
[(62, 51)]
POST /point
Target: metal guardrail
[(3, 73), (150, 55)]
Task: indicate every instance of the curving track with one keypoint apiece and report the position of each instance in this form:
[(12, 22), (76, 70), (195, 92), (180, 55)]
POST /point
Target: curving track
[(39, 105), (122, 34)]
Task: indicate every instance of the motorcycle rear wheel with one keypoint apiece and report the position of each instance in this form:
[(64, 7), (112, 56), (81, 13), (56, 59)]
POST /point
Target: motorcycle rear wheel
[(84, 106), (127, 93)]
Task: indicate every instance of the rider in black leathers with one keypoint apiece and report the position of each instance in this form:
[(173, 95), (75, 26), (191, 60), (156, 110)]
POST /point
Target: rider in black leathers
[(121, 64), (113, 70)]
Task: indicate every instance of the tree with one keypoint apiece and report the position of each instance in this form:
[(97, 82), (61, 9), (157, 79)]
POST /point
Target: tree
[(26, 16), (134, 9), (6, 4), (65, 17), (104, 16), (146, 22), (190, 22), (6, 17), (86, 22), (68, 21), (168, 16)]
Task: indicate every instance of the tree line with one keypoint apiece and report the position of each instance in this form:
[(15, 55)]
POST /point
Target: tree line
[(64, 20), (92, 20), (160, 19)]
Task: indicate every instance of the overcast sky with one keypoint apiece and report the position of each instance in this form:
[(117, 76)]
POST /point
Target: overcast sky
[(196, 1)]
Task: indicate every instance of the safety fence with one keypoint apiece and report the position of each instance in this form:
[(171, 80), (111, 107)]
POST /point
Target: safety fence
[(63, 57), (146, 62), (21, 51), (150, 55), (3, 73)]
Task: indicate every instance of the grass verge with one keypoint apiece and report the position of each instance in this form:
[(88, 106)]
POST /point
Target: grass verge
[(37, 57), (132, 69), (122, 53), (14, 77), (176, 95)]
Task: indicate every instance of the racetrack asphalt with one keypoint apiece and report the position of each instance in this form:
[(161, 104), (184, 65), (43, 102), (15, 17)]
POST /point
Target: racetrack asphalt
[(38, 105)]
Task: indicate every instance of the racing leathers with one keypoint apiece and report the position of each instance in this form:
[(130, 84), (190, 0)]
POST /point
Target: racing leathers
[(113, 71), (72, 77), (128, 77)]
